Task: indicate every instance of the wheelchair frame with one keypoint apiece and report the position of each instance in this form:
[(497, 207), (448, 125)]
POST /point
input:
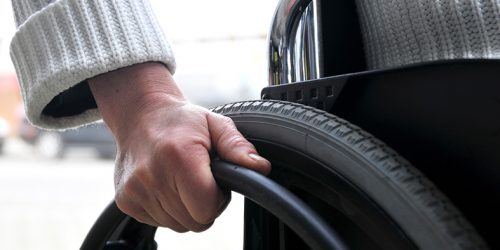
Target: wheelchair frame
[(443, 116)]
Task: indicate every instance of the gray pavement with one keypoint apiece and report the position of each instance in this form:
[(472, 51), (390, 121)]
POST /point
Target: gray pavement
[(51, 204)]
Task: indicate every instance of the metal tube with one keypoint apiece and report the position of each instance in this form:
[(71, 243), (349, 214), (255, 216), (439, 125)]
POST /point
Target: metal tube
[(294, 42)]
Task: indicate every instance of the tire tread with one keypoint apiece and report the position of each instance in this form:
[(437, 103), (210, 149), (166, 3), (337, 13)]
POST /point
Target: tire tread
[(411, 181)]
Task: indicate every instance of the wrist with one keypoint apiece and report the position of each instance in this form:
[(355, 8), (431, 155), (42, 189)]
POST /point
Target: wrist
[(126, 94)]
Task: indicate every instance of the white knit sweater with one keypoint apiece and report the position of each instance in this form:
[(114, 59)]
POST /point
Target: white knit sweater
[(60, 44), (400, 32)]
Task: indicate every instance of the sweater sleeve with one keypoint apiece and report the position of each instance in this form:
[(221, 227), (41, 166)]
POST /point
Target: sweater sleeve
[(61, 43)]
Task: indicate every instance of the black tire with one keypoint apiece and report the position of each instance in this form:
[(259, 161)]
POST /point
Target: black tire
[(372, 196)]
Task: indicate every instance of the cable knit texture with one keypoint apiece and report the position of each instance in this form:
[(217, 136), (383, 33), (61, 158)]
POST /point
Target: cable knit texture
[(400, 32), (59, 44)]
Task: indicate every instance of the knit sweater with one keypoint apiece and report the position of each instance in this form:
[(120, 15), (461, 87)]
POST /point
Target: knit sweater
[(59, 44), (413, 31)]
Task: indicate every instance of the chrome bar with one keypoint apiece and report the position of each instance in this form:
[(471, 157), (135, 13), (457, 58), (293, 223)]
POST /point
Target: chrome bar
[(294, 42), (303, 48), (316, 40)]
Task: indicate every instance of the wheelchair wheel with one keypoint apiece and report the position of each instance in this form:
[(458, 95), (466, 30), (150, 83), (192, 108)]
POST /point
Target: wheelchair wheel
[(370, 195)]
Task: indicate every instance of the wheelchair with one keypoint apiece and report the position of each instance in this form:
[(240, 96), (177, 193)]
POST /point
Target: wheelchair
[(418, 170)]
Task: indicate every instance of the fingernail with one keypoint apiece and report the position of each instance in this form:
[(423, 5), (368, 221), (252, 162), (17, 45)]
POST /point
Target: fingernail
[(256, 157), (259, 158)]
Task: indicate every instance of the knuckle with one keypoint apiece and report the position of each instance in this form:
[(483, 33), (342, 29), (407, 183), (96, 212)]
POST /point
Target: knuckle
[(125, 206), (231, 137), (141, 174), (238, 141), (133, 189), (129, 191), (233, 144)]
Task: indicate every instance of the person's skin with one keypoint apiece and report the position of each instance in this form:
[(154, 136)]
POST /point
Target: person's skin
[(162, 172)]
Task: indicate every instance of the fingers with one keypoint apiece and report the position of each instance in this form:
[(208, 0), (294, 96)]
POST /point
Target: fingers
[(156, 211), (232, 146), (179, 211), (139, 199), (190, 200), (136, 211), (196, 186), (134, 200)]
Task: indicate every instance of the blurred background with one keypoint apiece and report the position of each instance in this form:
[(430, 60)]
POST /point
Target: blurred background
[(54, 185)]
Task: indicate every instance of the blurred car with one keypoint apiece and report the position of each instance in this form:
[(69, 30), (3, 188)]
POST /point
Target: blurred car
[(55, 144), (4, 132)]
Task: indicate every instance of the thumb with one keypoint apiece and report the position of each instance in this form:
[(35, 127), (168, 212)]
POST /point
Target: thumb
[(232, 146)]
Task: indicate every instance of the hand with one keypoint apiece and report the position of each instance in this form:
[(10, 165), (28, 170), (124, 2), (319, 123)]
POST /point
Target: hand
[(162, 174)]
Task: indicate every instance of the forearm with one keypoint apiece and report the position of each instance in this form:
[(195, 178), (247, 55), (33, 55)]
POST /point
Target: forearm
[(126, 93)]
